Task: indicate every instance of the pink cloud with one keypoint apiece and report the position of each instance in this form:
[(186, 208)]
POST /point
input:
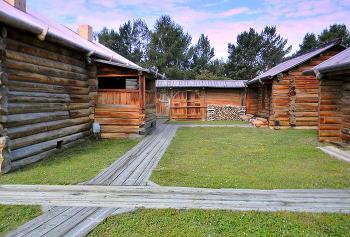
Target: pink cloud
[(234, 11)]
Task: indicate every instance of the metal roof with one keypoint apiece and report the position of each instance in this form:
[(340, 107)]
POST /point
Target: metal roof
[(338, 62), (33, 22), (201, 83), (293, 62)]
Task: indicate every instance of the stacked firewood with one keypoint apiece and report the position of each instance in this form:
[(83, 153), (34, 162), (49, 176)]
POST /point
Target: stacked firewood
[(225, 113)]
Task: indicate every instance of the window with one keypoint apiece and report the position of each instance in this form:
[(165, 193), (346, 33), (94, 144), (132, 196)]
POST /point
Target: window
[(111, 83)]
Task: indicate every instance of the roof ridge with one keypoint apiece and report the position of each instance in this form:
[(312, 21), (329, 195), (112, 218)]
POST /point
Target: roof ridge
[(313, 49)]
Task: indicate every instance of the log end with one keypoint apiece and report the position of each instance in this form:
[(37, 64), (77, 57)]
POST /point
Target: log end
[(5, 165)]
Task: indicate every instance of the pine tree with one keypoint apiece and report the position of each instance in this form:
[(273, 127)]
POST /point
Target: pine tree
[(309, 42)]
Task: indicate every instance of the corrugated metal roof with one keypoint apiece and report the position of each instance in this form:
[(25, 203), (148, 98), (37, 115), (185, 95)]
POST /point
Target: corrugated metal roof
[(201, 83), (293, 62), (340, 61), (35, 23)]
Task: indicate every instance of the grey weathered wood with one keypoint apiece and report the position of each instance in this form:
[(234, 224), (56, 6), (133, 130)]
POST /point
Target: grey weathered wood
[(177, 197)]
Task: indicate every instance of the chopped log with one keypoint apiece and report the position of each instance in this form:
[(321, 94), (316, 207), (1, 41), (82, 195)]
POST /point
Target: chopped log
[(16, 108), (93, 82), (27, 130), (34, 77), (44, 146), (24, 119), (5, 164), (3, 66), (35, 87), (18, 56), (41, 137)]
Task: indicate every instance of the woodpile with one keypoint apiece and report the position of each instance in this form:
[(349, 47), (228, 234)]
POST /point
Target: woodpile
[(225, 113)]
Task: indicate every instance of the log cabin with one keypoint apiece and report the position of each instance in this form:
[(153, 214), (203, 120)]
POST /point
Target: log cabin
[(334, 99), (50, 93), (285, 97), (188, 99)]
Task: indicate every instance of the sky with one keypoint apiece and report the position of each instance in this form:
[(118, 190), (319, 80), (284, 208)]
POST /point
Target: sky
[(220, 20)]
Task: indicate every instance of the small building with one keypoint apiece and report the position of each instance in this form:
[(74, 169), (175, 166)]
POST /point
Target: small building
[(55, 83), (188, 99), (285, 97), (334, 99)]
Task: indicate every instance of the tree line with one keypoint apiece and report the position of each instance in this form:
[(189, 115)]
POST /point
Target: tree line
[(168, 48)]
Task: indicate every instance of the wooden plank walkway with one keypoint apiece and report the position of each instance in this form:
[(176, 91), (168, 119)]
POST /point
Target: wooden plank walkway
[(76, 210), (114, 197), (133, 168)]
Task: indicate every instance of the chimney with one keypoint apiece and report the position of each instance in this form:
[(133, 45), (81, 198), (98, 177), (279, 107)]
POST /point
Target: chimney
[(85, 31), (19, 4)]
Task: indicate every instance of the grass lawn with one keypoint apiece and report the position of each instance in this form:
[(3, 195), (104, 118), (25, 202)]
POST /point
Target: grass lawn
[(69, 167), (205, 157), (205, 122), (12, 217), (249, 158), (72, 166), (223, 223)]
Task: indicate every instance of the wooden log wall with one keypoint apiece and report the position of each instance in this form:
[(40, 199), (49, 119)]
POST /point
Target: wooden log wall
[(163, 104), (252, 100), (295, 97), (93, 88), (49, 98), (225, 97), (334, 119), (4, 139), (123, 113), (150, 107)]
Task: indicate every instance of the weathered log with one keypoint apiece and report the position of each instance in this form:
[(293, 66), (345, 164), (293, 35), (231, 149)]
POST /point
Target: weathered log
[(120, 135), (117, 121), (27, 130), (44, 146), (34, 77), (41, 137), (24, 119), (77, 90), (18, 56), (79, 113), (5, 153), (3, 31), (2, 44), (35, 87), (3, 66), (119, 129), (4, 142), (3, 78), (31, 40), (79, 98), (37, 97), (5, 165), (30, 160), (16, 108), (42, 70), (74, 106), (128, 115)]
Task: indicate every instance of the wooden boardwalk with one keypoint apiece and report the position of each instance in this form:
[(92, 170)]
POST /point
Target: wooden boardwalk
[(114, 197), (133, 168), (75, 210)]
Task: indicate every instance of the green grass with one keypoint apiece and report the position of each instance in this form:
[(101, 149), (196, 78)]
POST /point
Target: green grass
[(206, 122), (223, 223), (249, 158), (14, 216), (72, 166)]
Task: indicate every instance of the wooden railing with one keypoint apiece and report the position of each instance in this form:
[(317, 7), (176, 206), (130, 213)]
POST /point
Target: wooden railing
[(106, 96)]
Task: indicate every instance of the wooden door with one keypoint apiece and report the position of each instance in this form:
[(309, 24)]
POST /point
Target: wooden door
[(163, 104), (186, 105)]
